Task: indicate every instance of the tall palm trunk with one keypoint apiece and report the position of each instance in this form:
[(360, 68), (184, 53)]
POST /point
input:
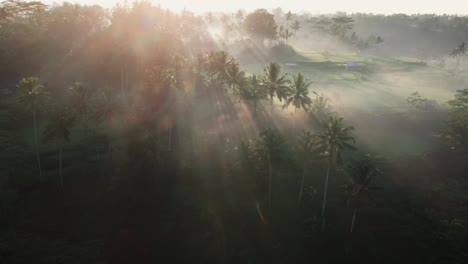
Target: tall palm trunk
[(109, 151), (36, 145), (86, 128), (330, 163), (293, 127), (270, 179), (302, 185), (353, 220), (271, 105), (60, 168), (220, 237), (126, 81), (122, 81), (295, 119), (111, 167), (255, 108), (170, 137)]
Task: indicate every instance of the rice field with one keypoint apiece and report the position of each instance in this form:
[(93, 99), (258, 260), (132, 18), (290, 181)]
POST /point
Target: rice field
[(373, 96)]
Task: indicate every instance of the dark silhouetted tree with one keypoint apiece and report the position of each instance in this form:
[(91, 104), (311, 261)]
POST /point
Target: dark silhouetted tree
[(33, 97), (260, 25)]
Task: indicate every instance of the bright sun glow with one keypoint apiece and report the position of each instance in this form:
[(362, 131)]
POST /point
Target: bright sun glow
[(330, 6)]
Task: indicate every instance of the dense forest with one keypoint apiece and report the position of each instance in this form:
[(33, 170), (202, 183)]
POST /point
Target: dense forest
[(140, 135)]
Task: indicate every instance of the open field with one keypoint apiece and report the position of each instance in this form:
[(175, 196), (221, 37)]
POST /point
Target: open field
[(373, 98)]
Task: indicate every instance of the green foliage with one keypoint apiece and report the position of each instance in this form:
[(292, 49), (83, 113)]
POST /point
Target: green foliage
[(321, 24), (460, 103), (336, 136), (416, 100), (321, 107), (289, 29), (235, 78), (337, 26), (269, 145), (261, 24), (216, 64), (61, 123), (457, 129), (306, 146), (298, 94), (284, 53), (31, 94), (459, 51), (202, 198), (307, 150), (10, 9), (341, 25), (254, 91), (275, 84), (361, 173), (107, 106), (80, 100)]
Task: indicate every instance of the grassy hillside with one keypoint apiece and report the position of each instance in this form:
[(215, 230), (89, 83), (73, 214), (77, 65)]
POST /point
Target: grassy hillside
[(373, 96)]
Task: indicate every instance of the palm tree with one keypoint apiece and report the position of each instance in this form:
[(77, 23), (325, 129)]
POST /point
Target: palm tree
[(341, 25), (235, 78), (107, 106), (321, 24), (33, 98), (332, 141), (80, 102), (179, 64), (320, 109), (307, 149), (274, 83), (254, 91), (321, 104), (107, 109), (216, 64), (298, 93), (268, 147), (59, 128), (361, 174)]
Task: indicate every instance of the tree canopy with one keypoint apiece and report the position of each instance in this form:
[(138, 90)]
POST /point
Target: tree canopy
[(261, 25)]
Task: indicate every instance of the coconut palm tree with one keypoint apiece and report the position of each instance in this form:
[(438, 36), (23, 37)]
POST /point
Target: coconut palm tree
[(254, 91), (216, 64), (235, 78), (321, 108), (267, 147), (321, 24), (107, 108), (332, 141), (33, 98), (59, 128), (80, 102), (179, 64), (341, 25), (361, 173), (298, 93), (274, 83), (307, 150)]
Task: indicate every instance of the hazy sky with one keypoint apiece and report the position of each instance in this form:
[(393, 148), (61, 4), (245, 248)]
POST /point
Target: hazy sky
[(324, 6)]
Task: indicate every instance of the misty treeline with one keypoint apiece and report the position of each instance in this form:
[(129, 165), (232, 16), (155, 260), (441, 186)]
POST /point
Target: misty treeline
[(129, 136), (425, 36)]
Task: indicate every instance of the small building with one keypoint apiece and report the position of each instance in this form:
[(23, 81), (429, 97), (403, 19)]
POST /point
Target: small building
[(352, 65)]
